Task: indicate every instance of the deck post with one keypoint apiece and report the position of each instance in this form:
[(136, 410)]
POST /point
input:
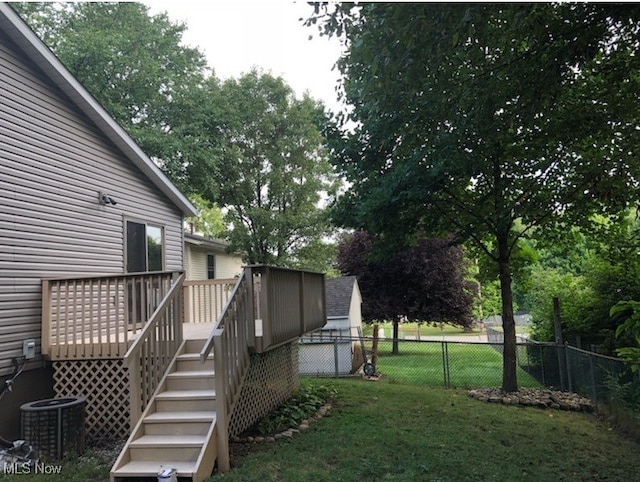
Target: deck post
[(265, 306), (222, 415), (251, 309), (135, 394), (45, 342), (188, 312)]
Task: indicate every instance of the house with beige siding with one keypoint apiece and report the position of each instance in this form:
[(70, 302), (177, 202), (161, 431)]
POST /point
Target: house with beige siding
[(92, 258), (211, 273), (208, 258)]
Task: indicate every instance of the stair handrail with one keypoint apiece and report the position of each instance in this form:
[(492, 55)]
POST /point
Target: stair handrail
[(231, 338), (208, 346), (142, 385)]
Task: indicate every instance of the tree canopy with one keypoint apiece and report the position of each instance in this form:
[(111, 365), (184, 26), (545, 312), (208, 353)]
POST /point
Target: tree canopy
[(484, 121), (272, 167), (593, 272)]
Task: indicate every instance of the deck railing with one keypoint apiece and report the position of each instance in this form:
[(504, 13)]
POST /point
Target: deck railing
[(267, 307), (291, 304), (148, 358), (94, 317), (232, 336), (204, 300)]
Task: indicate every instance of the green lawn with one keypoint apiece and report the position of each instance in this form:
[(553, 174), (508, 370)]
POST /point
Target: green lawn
[(423, 363), (388, 431), (404, 432), (412, 329)]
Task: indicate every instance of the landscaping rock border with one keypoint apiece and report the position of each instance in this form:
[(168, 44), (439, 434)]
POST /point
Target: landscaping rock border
[(287, 434), (535, 397)]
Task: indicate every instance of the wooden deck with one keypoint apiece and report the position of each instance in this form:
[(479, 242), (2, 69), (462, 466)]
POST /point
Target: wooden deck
[(135, 325)]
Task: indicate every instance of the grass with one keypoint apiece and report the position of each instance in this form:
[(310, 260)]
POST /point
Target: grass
[(403, 432), (430, 330), (93, 466), (421, 363), (386, 431)]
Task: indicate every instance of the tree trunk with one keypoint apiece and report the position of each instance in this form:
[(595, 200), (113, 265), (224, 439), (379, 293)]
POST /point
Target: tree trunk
[(374, 346), (394, 349), (509, 362)]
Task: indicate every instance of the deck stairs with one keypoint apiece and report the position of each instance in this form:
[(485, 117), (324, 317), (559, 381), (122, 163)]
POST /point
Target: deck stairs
[(178, 428)]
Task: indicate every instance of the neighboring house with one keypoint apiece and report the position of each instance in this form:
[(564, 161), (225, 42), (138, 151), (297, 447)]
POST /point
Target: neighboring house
[(331, 349), (207, 258), (77, 197), (211, 273)]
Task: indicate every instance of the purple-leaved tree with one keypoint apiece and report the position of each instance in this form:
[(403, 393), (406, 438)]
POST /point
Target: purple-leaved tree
[(423, 283)]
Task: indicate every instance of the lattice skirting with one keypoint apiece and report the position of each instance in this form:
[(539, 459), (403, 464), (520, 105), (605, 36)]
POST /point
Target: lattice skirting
[(272, 378), (105, 386)]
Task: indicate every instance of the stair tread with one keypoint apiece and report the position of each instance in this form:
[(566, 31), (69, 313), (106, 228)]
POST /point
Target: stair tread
[(172, 440), (186, 394), (152, 469), (193, 356), (194, 416), (192, 374)]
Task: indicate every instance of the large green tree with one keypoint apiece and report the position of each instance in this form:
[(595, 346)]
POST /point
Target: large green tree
[(272, 170), (486, 120)]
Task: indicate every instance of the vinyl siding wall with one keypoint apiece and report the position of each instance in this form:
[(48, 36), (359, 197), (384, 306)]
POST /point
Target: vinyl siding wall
[(53, 163), (226, 265)]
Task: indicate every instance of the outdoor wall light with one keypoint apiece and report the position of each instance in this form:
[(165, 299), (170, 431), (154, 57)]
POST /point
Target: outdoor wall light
[(106, 199)]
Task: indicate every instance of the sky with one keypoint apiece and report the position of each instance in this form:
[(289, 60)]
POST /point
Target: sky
[(237, 35)]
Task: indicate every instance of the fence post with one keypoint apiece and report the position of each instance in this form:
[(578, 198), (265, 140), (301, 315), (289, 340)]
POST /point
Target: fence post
[(594, 389), (557, 328), (566, 356), (445, 363), (335, 356)]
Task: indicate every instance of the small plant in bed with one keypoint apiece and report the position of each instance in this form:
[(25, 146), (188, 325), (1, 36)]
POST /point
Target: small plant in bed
[(304, 403)]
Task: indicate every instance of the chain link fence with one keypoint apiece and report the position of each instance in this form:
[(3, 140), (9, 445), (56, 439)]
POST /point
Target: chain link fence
[(612, 385)]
